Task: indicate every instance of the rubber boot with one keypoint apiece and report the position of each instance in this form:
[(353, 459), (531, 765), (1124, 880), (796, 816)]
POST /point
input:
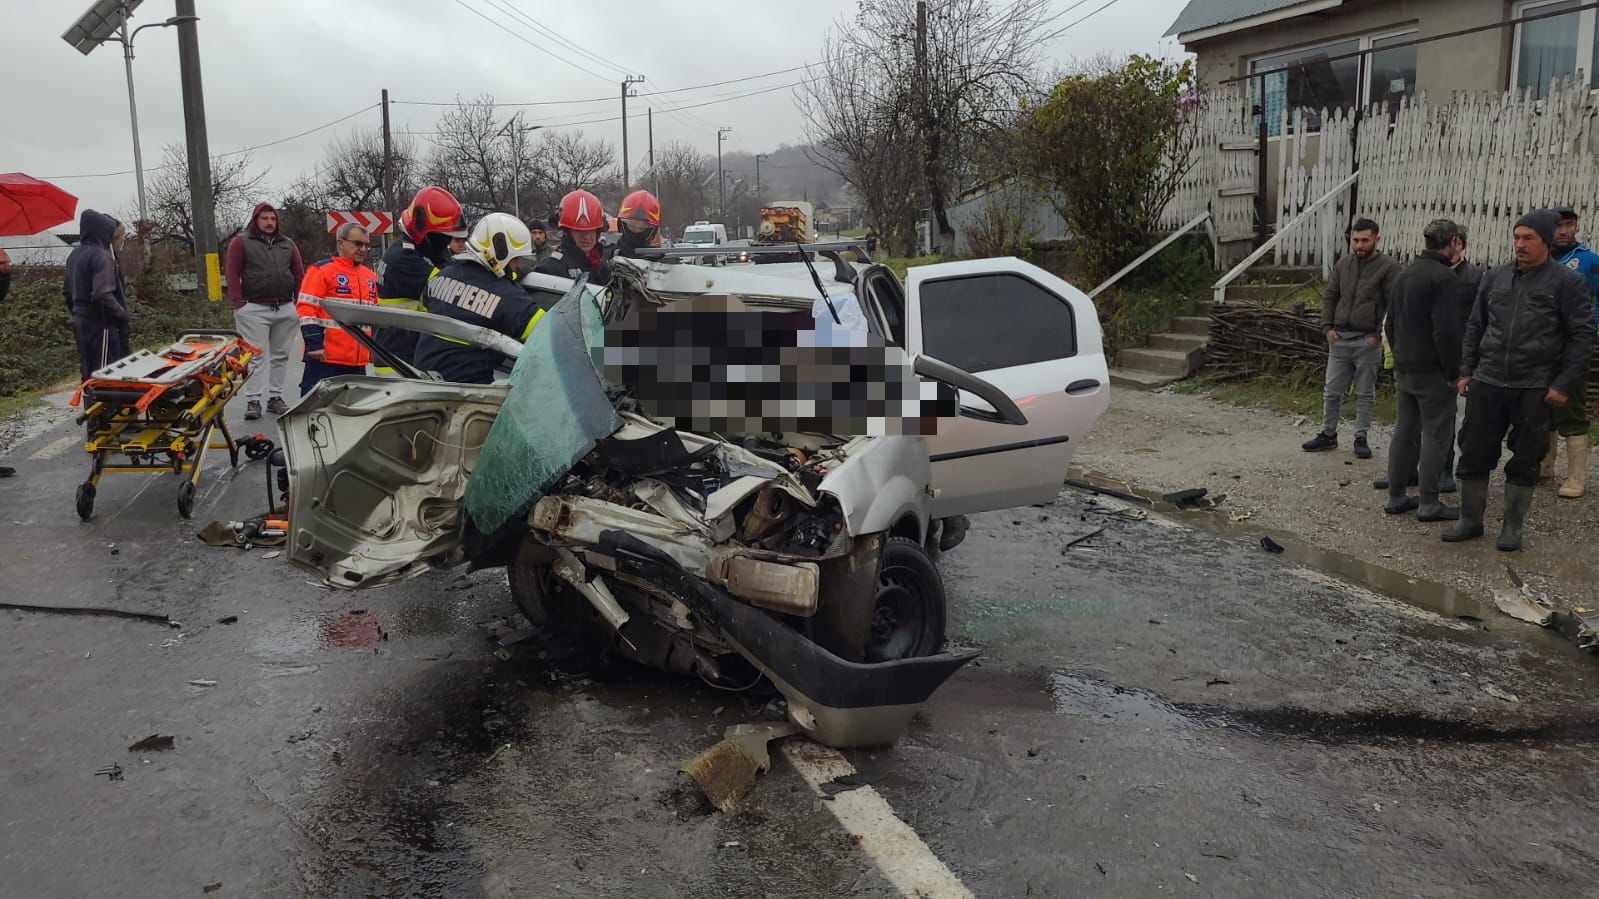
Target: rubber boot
[(1518, 500), (1431, 509), (1547, 470), (1576, 467), (1473, 503)]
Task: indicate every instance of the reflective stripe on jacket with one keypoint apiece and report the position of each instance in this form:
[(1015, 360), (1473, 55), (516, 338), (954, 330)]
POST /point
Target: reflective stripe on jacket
[(334, 279)]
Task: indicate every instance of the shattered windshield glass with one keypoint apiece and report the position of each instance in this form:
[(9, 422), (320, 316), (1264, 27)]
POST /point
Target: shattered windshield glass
[(555, 413)]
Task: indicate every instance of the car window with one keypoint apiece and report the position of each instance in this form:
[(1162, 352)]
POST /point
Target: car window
[(986, 322), (891, 301)]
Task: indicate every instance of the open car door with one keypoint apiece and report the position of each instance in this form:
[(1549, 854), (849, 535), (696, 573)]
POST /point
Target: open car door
[(1034, 337), (378, 466)]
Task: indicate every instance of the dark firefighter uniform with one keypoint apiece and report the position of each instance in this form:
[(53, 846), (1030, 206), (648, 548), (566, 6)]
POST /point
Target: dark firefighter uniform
[(570, 262), (466, 291), (403, 275)]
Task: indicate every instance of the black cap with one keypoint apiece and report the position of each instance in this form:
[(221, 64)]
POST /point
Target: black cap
[(1566, 212)]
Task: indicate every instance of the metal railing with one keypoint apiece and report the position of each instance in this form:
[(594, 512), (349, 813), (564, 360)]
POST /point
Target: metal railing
[(1219, 289), (1200, 219)]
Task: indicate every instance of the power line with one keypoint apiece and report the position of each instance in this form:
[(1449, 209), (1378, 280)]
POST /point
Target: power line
[(512, 7), (1060, 31), (474, 11), (238, 152)]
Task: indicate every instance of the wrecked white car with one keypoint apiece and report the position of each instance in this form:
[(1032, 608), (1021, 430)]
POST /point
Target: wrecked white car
[(802, 556)]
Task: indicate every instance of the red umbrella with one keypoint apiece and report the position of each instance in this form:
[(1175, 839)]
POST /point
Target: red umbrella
[(29, 206)]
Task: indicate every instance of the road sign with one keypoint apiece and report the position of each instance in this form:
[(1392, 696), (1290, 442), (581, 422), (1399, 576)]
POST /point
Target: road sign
[(373, 222)]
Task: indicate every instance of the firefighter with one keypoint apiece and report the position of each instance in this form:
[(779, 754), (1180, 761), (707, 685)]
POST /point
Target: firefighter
[(479, 288), (430, 226), (329, 349), (640, 218), (581, 220)]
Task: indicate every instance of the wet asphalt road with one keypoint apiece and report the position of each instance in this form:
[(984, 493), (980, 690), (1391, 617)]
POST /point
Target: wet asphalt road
[(1159, 710)]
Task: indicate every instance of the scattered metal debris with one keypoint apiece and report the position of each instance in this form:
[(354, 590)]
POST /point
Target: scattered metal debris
[(726, 772), (842, 784), (152, 617), (300, 738), (228, 619), (1270, 545), (154, 743), (1085, 538), (202, 683), (1488, 687), (110, 772)]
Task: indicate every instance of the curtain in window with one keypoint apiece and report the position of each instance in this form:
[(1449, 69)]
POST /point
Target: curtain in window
[(1547, 48)]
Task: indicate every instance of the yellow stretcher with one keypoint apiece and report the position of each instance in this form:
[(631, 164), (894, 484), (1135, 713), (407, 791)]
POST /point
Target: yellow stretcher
[(160, 411)]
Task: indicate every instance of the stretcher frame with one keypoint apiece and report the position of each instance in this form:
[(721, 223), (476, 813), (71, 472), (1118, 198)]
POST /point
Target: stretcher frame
[(163, 411)]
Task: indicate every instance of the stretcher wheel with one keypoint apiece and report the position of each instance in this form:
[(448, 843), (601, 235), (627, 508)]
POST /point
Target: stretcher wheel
[(186, 498), (86, 493)]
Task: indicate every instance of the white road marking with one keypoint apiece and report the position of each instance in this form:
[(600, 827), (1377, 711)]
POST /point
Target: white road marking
[(899, 853), (56, 448)]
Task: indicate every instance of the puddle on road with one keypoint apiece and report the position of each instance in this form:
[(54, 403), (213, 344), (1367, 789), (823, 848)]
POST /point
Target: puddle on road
[(1088, 698), (1438, 598)]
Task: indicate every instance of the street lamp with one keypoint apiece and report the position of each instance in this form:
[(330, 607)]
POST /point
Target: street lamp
[(107, 20), (516, 160)]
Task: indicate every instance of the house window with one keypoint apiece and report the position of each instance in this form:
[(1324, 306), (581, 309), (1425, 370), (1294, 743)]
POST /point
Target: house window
[(1555, 47), (1311, 79)]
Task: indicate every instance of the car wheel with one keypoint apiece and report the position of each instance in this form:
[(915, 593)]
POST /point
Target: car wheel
[(908, 608), (543, 599)]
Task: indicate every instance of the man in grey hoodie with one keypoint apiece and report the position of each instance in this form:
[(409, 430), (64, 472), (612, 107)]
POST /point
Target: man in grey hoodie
[(95, 293)]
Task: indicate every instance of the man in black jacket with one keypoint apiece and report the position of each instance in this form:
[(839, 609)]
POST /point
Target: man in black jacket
[(95, 293), (1526, 348), (1424, 331)]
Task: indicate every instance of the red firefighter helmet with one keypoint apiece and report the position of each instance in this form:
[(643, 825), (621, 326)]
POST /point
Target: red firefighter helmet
[(580, 211), (433, 210), (642, 207)]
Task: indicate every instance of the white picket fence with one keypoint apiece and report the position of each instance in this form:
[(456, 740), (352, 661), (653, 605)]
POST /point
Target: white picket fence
[(1482, 160)]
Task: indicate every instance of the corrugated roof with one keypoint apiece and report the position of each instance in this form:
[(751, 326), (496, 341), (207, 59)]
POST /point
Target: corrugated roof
[(1200, 14)]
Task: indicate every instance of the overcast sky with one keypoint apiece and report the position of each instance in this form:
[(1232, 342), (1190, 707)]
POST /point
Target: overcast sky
[(275, 69)]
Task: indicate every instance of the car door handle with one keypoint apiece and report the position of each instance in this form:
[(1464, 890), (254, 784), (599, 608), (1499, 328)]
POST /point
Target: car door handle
[(1086, 385)]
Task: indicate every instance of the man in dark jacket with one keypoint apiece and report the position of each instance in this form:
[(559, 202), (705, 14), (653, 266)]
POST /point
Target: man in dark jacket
[(430, 226), (1351, 316), (1571, 420), (95, 293), (581, 221), (1424, 330), (1526, 348), (264, 270), (478, 288)]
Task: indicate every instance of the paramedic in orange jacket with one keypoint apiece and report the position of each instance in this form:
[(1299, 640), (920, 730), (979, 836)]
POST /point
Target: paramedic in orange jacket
[(331, 351)]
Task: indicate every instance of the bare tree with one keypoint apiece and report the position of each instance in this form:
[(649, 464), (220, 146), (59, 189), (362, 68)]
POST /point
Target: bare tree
[(564, 162), (864, 134), (683, 178), (351, 175), (477, 157), (950, 74), (235, 189)]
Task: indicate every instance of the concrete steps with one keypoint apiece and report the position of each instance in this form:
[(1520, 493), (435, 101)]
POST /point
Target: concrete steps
[(1171, 363), (1194, 325), (1128, 379), (1178, 341)]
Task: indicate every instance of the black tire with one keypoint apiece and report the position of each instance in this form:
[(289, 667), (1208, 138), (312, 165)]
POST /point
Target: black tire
[(86, 492), (908, 608), (186, 499), (544, 600)]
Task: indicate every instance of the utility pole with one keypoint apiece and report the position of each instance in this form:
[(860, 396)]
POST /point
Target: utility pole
[(721, 205), (388, 158), (133, 115), (921, 102), (655, 179), (758, 158), (627, 83), (201, 201)]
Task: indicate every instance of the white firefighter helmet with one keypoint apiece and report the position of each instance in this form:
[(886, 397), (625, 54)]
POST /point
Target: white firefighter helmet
[(497, 239)]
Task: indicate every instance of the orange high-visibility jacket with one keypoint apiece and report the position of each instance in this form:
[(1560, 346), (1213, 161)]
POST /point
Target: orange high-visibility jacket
[(334, 279)]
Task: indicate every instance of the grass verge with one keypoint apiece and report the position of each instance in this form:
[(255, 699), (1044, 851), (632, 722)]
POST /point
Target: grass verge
[(1291, 396)]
